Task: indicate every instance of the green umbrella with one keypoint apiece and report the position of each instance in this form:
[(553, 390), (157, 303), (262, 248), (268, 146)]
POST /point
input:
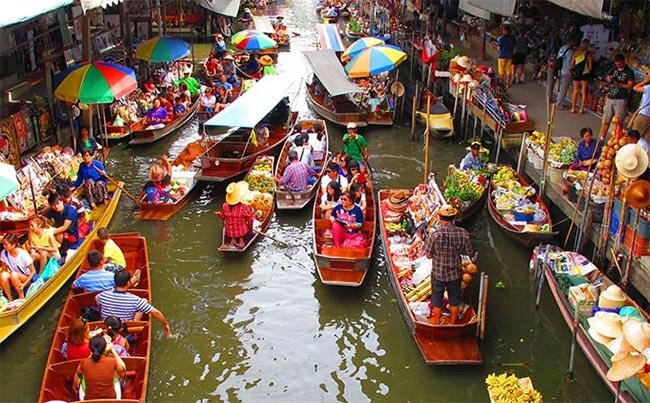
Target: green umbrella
[(8, 181)]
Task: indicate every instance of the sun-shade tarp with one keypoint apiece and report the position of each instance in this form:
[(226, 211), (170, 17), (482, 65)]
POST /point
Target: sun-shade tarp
[(330, 72), (329, 37)]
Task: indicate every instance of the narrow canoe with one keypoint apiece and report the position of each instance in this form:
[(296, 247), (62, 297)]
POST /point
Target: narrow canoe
[(599, 363), (439, 344), (59, 372), (516, 232), (233, 156), (343, 266), (205, 116), (441, 123), (346, 112), (265, 221), (469, 211), (285, 199), (11, 320), (186, 159), (144, 136)]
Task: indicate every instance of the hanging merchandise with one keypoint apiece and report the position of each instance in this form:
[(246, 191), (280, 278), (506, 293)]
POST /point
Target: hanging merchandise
[(8, 143)]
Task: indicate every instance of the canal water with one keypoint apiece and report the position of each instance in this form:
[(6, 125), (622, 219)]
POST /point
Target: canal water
[(262, 326)]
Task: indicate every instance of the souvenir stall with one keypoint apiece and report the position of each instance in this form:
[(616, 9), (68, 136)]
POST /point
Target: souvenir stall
[(27, 126)]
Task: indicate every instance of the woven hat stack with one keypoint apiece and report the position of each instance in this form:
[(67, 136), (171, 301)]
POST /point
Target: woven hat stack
[(625, 365), (398, 201), (604, 327), (637, 334), (612, 298)]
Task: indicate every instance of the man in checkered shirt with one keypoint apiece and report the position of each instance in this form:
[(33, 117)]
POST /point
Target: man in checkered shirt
[(444, 248)]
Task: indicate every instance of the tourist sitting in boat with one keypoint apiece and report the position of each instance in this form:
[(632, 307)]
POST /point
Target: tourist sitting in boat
[(223, 82), (356, 174), (41, 242), (262, 134), (330, 198), (179, 106), (77, 341), (157, 117), (167, 78), (86, 142), (347, 221), (96, 278), (92, 175), (297, 176), (252, 66), (66, 223), (68, 198), (221, 94), (444, 246), (126, 306), (358, 193), (318, 145), (373, 102), (229, 68), (332, 174), (219, 47), (150, 87), (118, 332), (247, 15), (344, 166), (473, 159), (296, 131), (156, 190), (303, 150), (97, 376), (168, 103), (587, 155), (17, 268), (212, 67), (190, 82), (237, 216), (113, 257), (208, 100)]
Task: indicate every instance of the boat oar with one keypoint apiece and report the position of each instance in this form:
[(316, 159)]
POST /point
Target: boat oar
[(270, 237), (114, 182)]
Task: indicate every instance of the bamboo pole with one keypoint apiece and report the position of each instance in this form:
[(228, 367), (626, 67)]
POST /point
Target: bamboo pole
[(522, 152), (549, 133), (541, 278), (426, 142), (574, 337), (483, 312), (72, 131), (415, 106)]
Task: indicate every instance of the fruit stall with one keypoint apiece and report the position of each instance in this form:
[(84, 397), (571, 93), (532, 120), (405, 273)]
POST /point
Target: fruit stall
[(260, 184)]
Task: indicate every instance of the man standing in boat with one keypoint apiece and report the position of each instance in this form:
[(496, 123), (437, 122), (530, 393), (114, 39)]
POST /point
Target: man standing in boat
[(444, 247), (355, 144)]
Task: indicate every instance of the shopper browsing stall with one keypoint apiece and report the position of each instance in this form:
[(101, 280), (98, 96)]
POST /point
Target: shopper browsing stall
[(506, 44), (621, 80)]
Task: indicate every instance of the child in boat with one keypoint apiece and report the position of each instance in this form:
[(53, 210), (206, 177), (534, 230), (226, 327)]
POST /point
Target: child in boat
[(179, 107), (117, 331), (41, 242), (113, 257), (17, 268), (156, 190)]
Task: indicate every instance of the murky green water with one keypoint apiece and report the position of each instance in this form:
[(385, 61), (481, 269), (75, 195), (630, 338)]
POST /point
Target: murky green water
[(261, 326)]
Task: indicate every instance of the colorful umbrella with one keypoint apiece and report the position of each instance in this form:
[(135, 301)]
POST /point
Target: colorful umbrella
[(359, 46), (8, 181), (162, 50), (375, 60), (257, 41), (96, 83), (242, 34)]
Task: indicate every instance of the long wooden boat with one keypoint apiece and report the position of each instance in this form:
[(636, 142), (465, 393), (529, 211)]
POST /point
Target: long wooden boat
[(467, 212), (11, 320), (516, 232), (343, 266), (447, 344), (143, 136), (59, 372), (600, 363), (341, 112), (264, 221), (187, 174), (235, 155), (285, 199)]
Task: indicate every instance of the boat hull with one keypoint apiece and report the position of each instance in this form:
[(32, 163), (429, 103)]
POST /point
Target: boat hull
[(316, 103), (149, 136)]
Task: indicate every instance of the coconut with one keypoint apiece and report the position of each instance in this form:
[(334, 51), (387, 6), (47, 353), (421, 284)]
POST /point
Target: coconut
[(622, 141), (607, 163), (467, 278), (471, 268), (616, 147)]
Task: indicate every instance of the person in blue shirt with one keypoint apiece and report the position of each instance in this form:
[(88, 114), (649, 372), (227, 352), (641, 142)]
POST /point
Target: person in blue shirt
[(95, 278), (92, 175), (219, 47), (223, 82), (506, 43), (66, 223), (472, 160), (587, 155)]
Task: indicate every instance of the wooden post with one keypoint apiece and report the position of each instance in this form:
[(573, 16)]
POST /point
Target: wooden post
[(574, 336), (483, 313), (522, 153), (86, 49), (426, 142), (541, 278), (415, 107), (549, 133)]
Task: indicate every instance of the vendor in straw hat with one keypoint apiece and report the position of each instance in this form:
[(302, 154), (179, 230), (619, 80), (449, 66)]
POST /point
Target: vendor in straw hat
[(219, 48), (156, 190), (267, 65), (237, 216), (444, 247)]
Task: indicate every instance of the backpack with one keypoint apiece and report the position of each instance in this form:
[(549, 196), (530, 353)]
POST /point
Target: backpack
[(559, 62)]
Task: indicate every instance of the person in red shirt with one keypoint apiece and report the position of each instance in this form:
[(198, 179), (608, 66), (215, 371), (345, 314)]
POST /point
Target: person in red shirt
[(237, 216), (77, 347), (150, 87)]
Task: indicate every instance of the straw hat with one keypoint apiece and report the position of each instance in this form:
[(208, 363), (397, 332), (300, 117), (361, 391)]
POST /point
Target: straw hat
[(625, 365), (601, 339), (266, 60), (398, 200), (228, 57), (156, 173), (637, 333), (638, 194), (464, 62), (612, 298), (607, 324), (631, 161), (447, 210), (236, 192)]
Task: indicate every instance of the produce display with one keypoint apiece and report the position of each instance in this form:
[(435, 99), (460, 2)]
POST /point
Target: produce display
[(183, 180), (260, 184), (463, 187), (560, 153), (507, 388)]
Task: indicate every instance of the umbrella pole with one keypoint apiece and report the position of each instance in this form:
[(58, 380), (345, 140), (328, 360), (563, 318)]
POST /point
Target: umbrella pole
[(426, 142), (31, 185), (630, 257), (73, 135), (104, 129)]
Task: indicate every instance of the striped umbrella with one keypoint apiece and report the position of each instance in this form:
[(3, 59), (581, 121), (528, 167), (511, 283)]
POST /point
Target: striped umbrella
[(359, 46), (253, 41), (242, 34), (375, 60), (162, 50), (96, 83)]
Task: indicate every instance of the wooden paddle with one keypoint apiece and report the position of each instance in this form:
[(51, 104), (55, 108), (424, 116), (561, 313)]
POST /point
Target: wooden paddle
[(117, 184), (270, 237)]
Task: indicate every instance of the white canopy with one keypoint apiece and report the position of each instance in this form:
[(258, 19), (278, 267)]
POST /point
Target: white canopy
[(475, 11), (225, 7), (591, 8), (501, 7)]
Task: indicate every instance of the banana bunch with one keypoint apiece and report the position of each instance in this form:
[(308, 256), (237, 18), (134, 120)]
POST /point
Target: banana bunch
[(505, 388)]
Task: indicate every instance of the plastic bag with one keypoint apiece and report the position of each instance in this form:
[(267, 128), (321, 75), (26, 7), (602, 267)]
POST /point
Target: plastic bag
[(420, 308), (34, 287), (50, 269)]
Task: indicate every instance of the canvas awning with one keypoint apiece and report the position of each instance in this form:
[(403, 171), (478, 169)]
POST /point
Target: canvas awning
[(263, 24), (253, 105), (225, 7), (330, 72), (28, 10), (329, 37), (92, 4), (591, 8), (501, 7), (475, 11)]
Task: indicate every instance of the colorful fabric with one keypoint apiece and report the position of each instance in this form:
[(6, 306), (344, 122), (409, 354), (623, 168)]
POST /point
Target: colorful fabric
[(96, 191), (95, 83), (296, 176), (346, 217), (237, 220), (121, 304), (445, 247), (21, 131), (95, 280)]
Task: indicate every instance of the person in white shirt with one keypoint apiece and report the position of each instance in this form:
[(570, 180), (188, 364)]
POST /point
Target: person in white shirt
[(642, 119), (303, 150), (332, 174), (17, 268)]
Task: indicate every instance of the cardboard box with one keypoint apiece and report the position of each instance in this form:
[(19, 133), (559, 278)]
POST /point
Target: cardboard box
[(586, 295)]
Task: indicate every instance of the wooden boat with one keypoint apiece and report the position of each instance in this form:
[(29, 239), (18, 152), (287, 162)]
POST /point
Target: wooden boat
[(341, 112), (516, 231), (115, 134), (467, 212), (343, 266), (187, 173), (264, 221), (600, 363), (205, 116), (441, 123), (143, 136), (439, 344), (59, 372), (353, 36), (285, 199), (11, 320)]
